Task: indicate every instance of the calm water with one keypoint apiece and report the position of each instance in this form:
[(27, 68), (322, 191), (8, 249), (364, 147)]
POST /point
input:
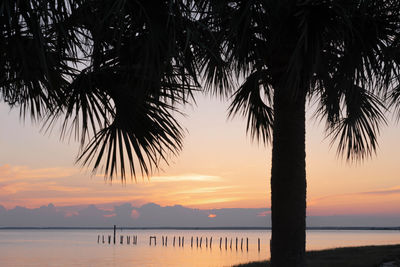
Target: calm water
[(80, 247)]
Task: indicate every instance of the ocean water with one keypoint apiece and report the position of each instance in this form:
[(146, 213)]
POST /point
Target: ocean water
[(80, 247)]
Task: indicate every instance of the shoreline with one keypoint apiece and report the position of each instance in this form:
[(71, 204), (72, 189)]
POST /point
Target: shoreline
[(361, 256)]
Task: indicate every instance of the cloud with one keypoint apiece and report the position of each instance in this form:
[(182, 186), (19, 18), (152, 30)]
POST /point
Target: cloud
[(154, 215), (202, 190), (186, 178), (13, 173), (385, 191), (378, 192), (380, 201), (148, 215)]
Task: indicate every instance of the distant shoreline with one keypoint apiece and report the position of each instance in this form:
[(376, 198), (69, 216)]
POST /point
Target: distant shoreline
[(196, 228)]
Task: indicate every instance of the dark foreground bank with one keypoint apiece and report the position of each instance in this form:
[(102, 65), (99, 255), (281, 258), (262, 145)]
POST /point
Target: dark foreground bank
[(346, 257)]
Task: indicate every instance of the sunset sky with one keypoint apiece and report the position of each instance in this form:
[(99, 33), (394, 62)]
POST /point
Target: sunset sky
[(219, 167)]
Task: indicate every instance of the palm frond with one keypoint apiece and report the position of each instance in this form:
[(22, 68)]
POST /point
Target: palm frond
[(141, 66), (35, 64), (358, 130), (253, 100), (141, 133)]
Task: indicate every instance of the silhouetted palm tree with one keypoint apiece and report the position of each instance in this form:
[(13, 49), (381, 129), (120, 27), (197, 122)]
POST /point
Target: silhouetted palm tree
[(342, 54), (111, 71)]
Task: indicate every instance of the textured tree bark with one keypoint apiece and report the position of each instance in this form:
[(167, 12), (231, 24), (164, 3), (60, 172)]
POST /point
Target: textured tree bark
[(288, 182)]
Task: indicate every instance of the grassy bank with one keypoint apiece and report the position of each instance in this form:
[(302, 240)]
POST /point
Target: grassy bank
[(346, 257)]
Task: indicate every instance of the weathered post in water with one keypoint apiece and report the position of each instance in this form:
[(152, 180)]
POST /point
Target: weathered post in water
[(183, 242), (220, 243), (236, 242), (258, 244), (226, 243), (115, 229), (210, 241), (191, 242), (98, 238), (247, 243)]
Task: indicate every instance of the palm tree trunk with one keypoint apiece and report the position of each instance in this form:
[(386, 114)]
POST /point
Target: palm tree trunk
[(288, 182)]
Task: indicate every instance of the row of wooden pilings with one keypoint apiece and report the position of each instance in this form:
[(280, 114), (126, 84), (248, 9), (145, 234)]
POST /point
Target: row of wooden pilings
[(128, 239), (181, 241), (208, 242)]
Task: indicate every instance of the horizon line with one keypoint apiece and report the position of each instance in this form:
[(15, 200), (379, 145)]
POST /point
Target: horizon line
[(201, 228)]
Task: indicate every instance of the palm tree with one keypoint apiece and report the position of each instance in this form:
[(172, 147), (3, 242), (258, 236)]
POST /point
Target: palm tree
[(342, 54), (111, 71)]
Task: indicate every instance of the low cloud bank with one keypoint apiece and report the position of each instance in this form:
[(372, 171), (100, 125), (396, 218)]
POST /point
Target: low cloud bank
[(153, 215)]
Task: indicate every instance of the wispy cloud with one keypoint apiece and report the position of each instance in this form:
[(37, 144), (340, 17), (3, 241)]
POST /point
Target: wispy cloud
[(13, 173), (202, 190), (379, 201), (186, 178), (385, 191)]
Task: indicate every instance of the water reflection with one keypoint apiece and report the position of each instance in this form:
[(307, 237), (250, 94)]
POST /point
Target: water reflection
[(208, 248)]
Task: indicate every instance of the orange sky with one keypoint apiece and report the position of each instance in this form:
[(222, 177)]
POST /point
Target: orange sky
[(218, 167)]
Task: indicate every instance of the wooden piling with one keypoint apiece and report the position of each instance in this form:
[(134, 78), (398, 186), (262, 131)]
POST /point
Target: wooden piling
[(166, 241), (226, 243), (247, 243), (258, 244), (191, 242), (220, 243), (122, 239), (115, 229), (102, 238), (173, 243), (98, 239), (183, 242), (236, 243), (128, 239), (162, 239), (230, 245), (201, 240), (109, 239), (155, 240), (206, 242), (241, 244), (179, 241), (210, 241), (197, 241)]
